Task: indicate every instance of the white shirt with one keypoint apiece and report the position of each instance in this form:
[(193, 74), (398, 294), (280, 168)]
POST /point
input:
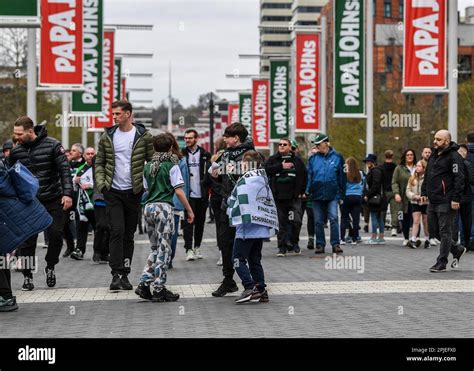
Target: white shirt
[(123, 145), (194, 176)]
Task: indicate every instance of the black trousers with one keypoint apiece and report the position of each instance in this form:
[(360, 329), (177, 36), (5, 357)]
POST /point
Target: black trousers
[(55, 233), (122, 213), (352, 206), (441, 218), (289, 213), (407, 222), (465, 216), (310, 212), (71, 217), (216, 203), (83, 230), (5, 282), (102, 231), (226, 239), (199, 206)]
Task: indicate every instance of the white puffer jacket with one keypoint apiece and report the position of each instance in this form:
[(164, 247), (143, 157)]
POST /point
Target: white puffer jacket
[(415, 190)]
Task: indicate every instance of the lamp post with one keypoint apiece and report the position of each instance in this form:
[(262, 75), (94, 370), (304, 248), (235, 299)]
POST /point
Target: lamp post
[(211, 124)]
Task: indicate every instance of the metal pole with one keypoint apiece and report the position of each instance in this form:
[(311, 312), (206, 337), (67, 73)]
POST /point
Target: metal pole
[(322, 72), (96, 140), (84, 125), (170, 105), (370, 78), (211, 124), (64, 125), (452, 70), (31, 75)]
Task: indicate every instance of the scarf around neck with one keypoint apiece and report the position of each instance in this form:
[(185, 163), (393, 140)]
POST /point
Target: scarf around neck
[(159, 158)]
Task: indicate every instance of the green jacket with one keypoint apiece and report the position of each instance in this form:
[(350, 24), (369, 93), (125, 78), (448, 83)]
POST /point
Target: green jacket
[(400, 178), (105, 160)]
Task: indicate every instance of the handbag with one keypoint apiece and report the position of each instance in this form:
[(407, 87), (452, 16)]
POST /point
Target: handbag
[(24, 182), (376, 200)]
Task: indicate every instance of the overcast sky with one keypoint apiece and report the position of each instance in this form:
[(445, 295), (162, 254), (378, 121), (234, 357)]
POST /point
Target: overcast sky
[(201, 39)]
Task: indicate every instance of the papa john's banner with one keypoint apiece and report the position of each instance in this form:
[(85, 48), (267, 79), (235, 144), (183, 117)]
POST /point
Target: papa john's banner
[(349, 59), (424, 46), (260, 113), (279, 99), (123, 89), (245, 111), (233, 109), (105, 118), (118, 78), (307, 82), (61, 49), (90, 100)]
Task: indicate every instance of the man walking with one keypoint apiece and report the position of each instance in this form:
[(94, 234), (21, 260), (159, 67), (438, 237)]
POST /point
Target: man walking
[(45, 158), (123, 150), (287, 174), (443, 187), (327, 186), (198, 161)]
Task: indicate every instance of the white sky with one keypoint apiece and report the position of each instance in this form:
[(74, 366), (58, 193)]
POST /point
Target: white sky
[(201, 38)]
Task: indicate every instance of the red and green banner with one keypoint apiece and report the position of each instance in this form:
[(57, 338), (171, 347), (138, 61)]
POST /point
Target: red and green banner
[(118, 78), (19, 13), (90, 100), (261, 113), (61, 50), (424, 46), (105, 118), (279, 99), (349, 59), (307, 82), (233, 112)]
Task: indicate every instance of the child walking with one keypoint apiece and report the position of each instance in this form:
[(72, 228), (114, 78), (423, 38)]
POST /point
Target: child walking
[(163, 179), (252, 211), (413, 192)]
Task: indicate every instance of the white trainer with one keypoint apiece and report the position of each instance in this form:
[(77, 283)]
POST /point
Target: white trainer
[(190, 255), (405, 243), (197, 253), (394, 232), (433, 242)]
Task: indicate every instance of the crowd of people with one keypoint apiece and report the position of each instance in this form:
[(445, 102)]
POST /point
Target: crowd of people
[(133, 176)]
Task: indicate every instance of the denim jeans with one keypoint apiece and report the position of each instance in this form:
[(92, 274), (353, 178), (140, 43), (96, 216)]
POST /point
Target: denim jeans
[(352, 206), (377, 222), (440, 218), (324, 210), (249, 251)]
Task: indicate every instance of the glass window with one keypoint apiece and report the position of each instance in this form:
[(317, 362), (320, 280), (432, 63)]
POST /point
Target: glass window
[(387, 8), (389, 63)]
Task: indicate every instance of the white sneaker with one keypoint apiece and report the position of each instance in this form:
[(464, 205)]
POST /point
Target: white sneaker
[(197, 253), (190, 255), (433, 242), (405, 243), (394, 232), (219, 262)]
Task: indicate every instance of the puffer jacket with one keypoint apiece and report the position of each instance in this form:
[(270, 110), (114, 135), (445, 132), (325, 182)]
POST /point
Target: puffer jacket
[(286, 184), (105, 160), (326, 177), (415, 190), (18, 221), (47, 161), (399, 184)]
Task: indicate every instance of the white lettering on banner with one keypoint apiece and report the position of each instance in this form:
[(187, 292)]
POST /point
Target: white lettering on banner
[(349, 43), (106, 81), (91, 23), (246, 115), (427, 34), (280, 93), (261, 106), (307, 76), (62, 23)]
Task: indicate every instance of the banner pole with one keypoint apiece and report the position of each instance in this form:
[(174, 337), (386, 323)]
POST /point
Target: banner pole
[(370, 78), (322, 73), (64, 126), (84, 121), (452, 69), (31, 75)]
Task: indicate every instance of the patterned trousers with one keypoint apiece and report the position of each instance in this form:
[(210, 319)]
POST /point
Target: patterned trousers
[(160, 226)]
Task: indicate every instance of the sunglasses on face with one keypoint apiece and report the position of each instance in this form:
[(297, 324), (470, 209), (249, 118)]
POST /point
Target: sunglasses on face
[(283, 145)]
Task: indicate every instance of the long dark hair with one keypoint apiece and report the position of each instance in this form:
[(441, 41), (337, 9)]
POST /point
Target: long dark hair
[(353, 172), (174, 146), (403, 159)]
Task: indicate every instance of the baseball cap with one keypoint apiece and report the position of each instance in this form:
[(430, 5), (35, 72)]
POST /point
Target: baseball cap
[(319, 138)]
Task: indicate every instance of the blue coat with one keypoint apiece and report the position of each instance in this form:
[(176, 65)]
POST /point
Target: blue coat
[(326, 177), (18, 221), (183, 166)]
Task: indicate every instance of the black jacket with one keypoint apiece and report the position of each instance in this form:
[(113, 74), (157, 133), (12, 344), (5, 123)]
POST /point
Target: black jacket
[(388, 169), (286, 185), (468, 181), (444, 179), (46, 159), (375, 186), (204, 164)]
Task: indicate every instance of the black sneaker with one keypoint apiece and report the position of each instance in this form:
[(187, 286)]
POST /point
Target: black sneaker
[(170, 266), (337, 249), (116, 283), (438, 267), (427, 244), (77, 255), (458, 257), (289, 247), (411, 244), (418, 243), (281, 251), (310, 244), (163, 295), (143, 291), (104, 259), (126, 285), (28, 284), (366, 228), (96, 257), (68, 251), (224, 289), (8, 305), (50, 277), (245, 296), (319, 249), (296, 250), (259, 296)]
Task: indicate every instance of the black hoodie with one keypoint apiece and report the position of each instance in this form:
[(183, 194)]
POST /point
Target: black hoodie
[(46, 159), (444, 178)]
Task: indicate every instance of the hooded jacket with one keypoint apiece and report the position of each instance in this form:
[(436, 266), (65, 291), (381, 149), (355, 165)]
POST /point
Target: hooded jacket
[(105, 161), (444, 178), (286, 185), (47, 161)]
